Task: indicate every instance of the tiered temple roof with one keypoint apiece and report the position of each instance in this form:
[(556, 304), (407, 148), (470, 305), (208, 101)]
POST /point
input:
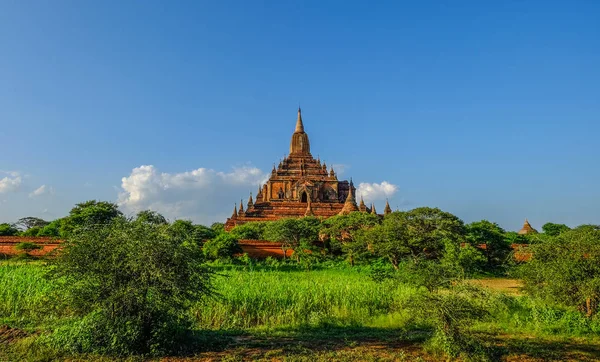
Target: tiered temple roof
[(299, 185)]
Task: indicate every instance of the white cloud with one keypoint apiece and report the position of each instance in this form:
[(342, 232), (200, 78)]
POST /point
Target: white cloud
[(11, 182), (42, 190), (203, 195), (373, 191)]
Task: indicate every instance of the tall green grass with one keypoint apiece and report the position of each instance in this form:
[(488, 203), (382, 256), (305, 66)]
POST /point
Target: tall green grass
[(24, 291), (279, 298)]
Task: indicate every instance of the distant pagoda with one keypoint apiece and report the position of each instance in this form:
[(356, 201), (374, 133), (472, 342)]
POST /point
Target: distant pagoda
[(526, 229), (299, 186)]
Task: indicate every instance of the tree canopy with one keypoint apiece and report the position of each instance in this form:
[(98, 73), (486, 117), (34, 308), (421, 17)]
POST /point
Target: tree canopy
[(419, 233), (566, 269)]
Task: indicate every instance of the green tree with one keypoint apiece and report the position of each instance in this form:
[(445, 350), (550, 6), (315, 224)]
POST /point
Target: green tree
[(32, 231), (129, 285), (249, 230), (471, 259), (52, 229), (89, 214), (566, 269), (293, 232), (223, 246), (26, 223), (218, 227), (348, 231), (553, 229), (421, 233), (512, 237), (8, 230), (493, 237), (150, 217), (185, 229)]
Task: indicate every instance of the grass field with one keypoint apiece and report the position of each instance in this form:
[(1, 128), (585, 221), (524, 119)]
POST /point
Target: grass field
[(333, 313)]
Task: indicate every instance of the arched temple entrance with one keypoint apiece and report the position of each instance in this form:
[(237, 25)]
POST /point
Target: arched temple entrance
[(304, 197)]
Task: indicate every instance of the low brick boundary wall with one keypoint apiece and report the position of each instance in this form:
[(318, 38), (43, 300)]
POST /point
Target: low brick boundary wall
[(258, 249), (254, 248), (8, 244)]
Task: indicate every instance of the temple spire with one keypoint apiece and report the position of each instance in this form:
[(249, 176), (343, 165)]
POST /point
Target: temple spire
[(362, 207), (234, 215), (299, 145), (241, 205), (250, 202), (350, 204), (373, 211), (387, 209), (299, 124)]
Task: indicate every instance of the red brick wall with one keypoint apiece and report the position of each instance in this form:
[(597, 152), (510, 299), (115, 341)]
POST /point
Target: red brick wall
[(8, 244)]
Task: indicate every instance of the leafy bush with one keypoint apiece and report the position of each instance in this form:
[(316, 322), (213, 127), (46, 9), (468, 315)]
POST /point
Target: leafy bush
[(27, 247), (32, 231), (128, 285), (52, 229), (250, 230), (566, 269), (8, 230), (471, 260), (224, 246)]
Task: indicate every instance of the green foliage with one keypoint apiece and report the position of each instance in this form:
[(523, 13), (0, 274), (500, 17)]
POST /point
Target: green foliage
[(472, 260), (292, 232), (250, 231), (223, 246), (52, 229), (32, 231), (566, 269), (150, 217), (271, 298), (553, 229), (512, 237), (431, 274), (129, 285), (89, 214), (187, 230), (420, 233), (27, 246), (218, 227), (8, 230), (349, 232), (452, 314), (26, 223), (488, 233)]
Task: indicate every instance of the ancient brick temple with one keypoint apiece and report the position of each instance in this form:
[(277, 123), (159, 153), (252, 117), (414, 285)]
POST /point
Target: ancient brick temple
[(299, 186)]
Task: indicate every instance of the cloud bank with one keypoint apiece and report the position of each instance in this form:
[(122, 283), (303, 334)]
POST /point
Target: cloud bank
[(42, 190), (202, 195), (372, 192), (10, 183)]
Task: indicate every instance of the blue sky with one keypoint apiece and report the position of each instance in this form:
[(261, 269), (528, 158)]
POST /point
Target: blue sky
[(484, 109)]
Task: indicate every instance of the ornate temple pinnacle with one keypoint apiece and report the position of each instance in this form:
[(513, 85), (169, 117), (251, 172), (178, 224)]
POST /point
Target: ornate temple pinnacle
[(373, 211), (299, 125), (300, 145), (388, 209)]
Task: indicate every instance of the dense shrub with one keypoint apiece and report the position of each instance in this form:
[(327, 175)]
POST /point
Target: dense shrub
[(566, 269), (250, 230), (129, 285), (223, 246), (8, 230)]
